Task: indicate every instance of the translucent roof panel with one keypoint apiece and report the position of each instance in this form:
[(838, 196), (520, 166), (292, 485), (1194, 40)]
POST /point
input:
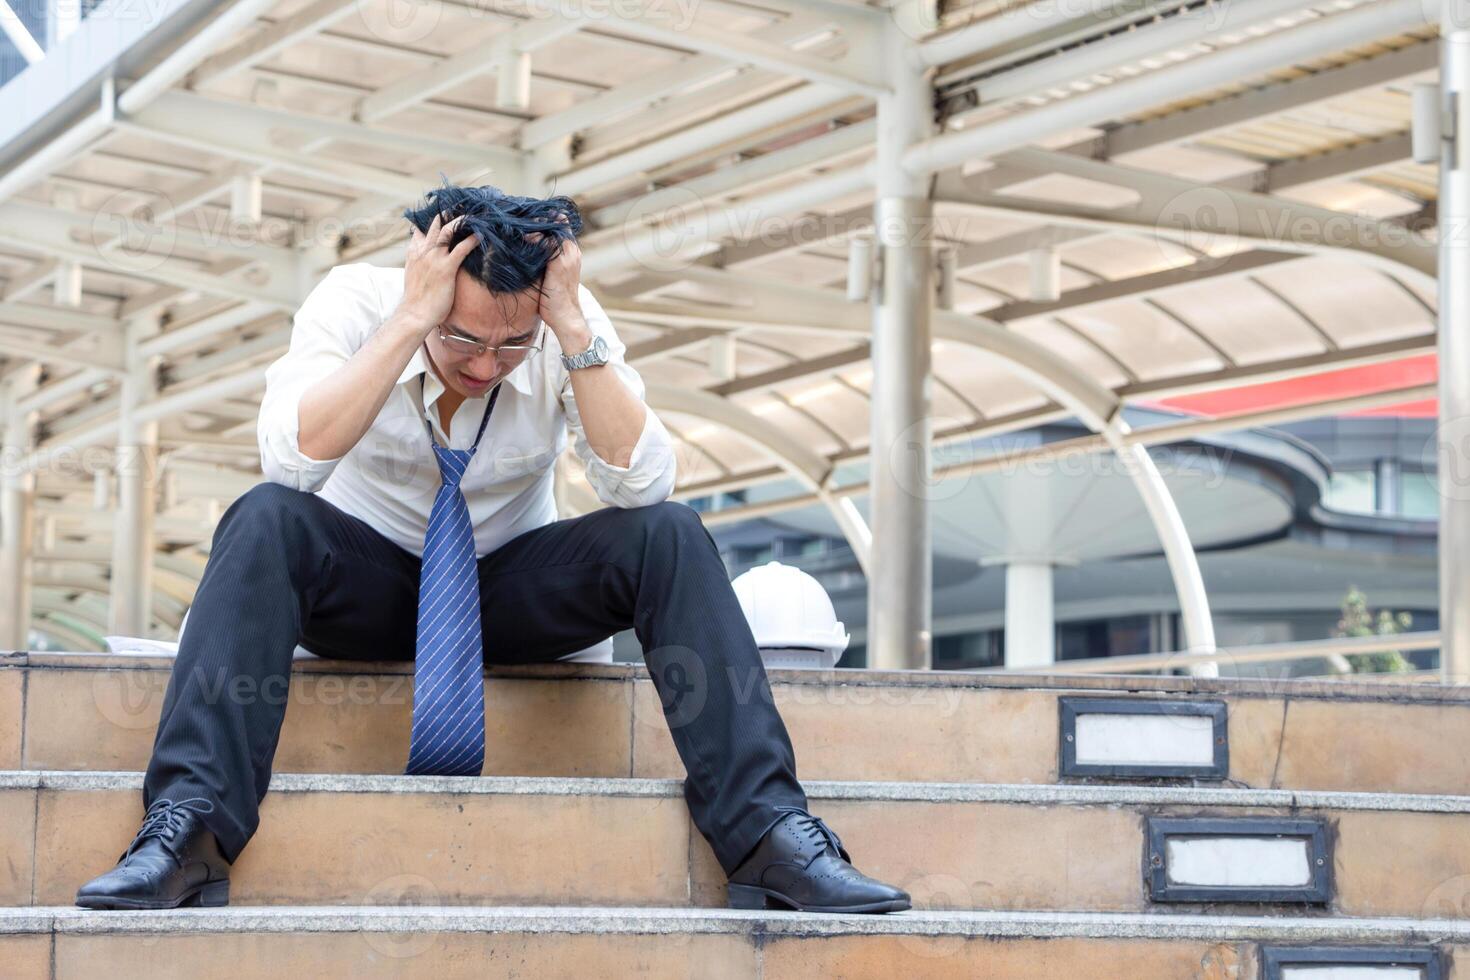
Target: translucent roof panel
[(1137, 309), (1243, 321), (1352, 307), (1152, 344)]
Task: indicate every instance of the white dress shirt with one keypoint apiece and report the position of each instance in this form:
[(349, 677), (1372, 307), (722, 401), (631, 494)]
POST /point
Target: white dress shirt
[(390, 477)]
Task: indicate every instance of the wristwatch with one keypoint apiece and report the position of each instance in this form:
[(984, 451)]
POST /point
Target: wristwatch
[(591, 357)]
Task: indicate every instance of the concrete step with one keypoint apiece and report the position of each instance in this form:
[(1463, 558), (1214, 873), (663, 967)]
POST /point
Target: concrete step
[(368, 840), (447, 942), (99, 712)]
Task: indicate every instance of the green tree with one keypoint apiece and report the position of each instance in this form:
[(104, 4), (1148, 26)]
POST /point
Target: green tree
[(1358, 620)]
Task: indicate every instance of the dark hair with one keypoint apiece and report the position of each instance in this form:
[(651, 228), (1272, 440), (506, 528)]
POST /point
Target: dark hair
[(505, 262)]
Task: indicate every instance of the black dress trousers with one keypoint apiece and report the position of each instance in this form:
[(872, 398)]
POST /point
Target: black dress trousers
[(287, 567)]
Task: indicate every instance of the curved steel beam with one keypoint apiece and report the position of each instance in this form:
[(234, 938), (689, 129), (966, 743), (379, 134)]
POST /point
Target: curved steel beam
[(1093, 404), (166, 609), (810, 468), (70, 637), (48, 607), (1183, 210)]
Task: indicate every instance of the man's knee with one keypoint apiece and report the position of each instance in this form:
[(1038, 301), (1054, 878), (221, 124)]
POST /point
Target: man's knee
[(669, 522), (266, 509), (670, 514), (271, 529), (674, 535)]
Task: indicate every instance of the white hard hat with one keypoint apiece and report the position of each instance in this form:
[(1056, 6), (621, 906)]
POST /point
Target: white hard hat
[(787, 608)]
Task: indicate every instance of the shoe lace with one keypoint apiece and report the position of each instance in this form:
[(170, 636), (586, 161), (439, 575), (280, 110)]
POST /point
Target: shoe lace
[(816, 829), (165, 818)]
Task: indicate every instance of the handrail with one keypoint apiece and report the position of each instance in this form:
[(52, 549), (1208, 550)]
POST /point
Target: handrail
[(1263, 653)]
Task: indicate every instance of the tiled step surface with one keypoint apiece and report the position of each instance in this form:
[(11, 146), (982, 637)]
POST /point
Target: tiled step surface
[(368, 840), (446, 943), (97, 712)]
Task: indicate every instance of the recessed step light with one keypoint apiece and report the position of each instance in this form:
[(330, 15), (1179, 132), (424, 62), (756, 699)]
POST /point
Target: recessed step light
[(1243, 859), (1350, 963), (1143, 737)]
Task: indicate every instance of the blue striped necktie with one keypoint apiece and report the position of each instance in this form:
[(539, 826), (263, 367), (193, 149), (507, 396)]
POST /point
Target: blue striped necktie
[(448, 736)]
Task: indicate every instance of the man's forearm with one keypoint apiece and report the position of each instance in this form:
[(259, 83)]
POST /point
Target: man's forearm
[(335, 413), (612, 416)]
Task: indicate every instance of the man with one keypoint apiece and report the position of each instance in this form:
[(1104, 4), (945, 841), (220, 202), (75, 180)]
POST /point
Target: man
[(409, 435)]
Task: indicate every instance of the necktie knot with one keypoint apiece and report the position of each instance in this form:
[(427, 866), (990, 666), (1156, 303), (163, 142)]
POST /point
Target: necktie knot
[(452, 464)]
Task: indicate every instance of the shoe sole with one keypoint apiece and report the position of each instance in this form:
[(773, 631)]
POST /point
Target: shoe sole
[(754, 897), (215, 894)]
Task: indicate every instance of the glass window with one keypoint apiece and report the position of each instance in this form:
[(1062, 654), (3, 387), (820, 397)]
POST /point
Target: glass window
[(790, 547), (753, 554), (1351, 490), (1118, 637), (1420, 494), (967, 651)]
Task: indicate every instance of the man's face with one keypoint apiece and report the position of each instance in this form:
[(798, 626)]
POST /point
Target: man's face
[(492, 320)]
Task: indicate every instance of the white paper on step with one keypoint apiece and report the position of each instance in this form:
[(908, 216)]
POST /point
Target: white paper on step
[(141, 646), (137, 646)]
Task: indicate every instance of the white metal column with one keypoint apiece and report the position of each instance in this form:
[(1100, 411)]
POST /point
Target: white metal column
[(17, 501), (899, 579), (1031, 624), (16, 504), (136, 469), (1454, 342)]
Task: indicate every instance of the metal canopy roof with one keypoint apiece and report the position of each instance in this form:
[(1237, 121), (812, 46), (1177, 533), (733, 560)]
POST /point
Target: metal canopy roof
[(722, 155)]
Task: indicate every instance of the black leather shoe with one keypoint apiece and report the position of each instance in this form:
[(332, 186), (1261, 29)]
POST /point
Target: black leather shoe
[(174, 861), (801, 864)]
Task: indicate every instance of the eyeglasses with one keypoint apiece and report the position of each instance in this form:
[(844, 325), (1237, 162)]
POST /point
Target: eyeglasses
[(471, 347)]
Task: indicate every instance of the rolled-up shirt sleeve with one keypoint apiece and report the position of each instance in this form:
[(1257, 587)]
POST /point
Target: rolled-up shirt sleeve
[(326, 331), (651, 471)]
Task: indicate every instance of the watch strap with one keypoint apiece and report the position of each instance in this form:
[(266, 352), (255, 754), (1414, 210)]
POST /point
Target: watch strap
[(596, 353)]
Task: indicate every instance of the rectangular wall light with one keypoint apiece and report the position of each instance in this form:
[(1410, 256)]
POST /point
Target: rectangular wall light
[(1237, 859), (1143, 737), (1350, 963)]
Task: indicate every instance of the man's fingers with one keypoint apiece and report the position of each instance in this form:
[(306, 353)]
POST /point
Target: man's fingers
[(446, 234), (464, 248)]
